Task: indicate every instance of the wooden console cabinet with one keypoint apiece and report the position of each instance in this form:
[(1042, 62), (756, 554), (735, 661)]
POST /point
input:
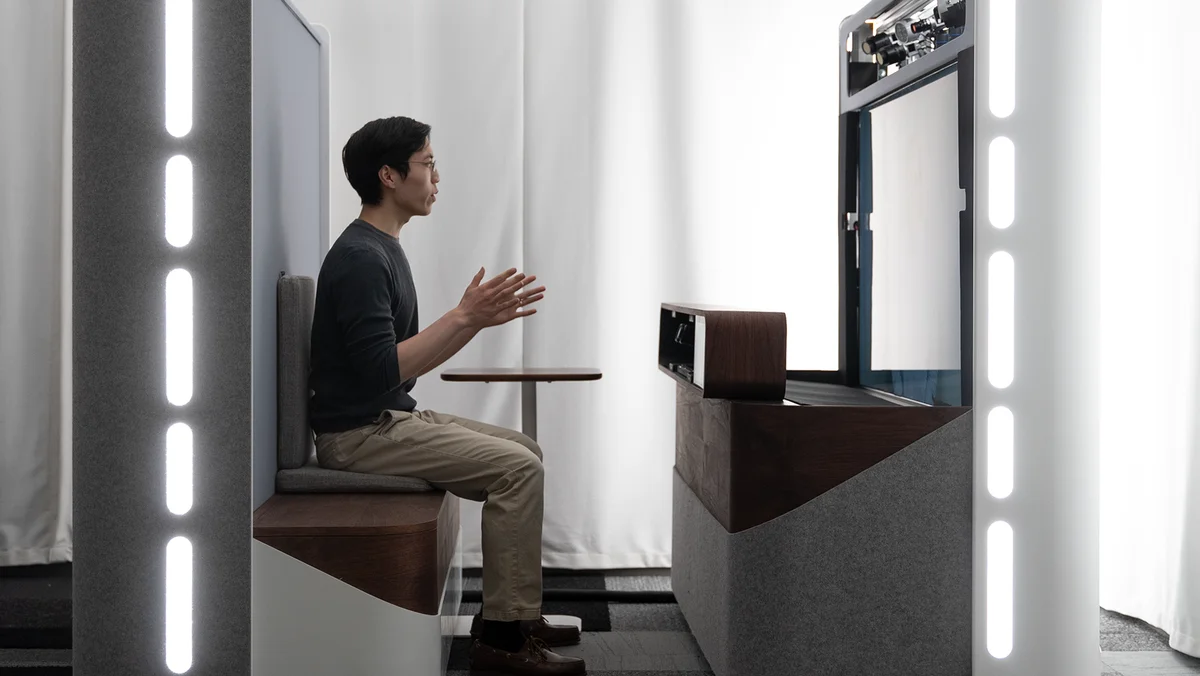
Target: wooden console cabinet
[(798, 505)]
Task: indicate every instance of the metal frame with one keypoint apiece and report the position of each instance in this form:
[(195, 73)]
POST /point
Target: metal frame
[(959, 52), (906, 76)]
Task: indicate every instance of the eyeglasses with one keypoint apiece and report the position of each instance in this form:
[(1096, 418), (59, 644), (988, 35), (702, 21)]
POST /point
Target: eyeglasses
[(432, 164)]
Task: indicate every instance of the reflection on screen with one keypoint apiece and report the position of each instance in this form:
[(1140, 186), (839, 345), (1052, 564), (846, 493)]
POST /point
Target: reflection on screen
[(909, 245)]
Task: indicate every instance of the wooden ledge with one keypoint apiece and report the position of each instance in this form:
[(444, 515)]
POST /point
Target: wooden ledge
[(519, 375), (397, 547), (344, 514)]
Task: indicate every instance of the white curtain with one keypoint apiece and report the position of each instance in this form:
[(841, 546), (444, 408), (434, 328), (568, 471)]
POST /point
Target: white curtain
[(628, 152), (35, 325), (1150, 236)]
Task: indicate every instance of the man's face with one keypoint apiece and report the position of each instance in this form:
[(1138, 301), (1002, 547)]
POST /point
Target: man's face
[(415, 194)]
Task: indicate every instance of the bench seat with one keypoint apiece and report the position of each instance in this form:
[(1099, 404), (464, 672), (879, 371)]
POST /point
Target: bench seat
[(355, 583), (396, 547), (352, 573), (312, 478)]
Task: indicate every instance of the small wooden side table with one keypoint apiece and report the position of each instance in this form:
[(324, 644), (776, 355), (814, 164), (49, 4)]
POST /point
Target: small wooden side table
[(529, 378)]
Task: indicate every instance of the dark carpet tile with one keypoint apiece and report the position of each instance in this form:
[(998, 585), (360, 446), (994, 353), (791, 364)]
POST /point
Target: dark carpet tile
[(573, 582), (592, 614), (51, 570), (460, 654), (49, 638)]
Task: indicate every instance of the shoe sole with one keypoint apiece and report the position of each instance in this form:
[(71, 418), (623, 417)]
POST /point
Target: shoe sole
[(486, 672), (476, 637)]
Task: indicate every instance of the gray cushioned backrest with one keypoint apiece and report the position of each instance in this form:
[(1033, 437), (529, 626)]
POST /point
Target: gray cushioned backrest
[(296, 298)]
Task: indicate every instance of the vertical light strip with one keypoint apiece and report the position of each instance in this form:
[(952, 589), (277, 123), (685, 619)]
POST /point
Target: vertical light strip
[(1002, 57), (1000, 452), (179, 468), (179, 605), (178, 193), (1000, 319), (1002, 178), (178, 90), (179, 201), (1000, 589), (179, 337)]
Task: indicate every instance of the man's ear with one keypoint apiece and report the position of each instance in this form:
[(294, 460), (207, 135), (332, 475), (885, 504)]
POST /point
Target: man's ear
[(388, 176)]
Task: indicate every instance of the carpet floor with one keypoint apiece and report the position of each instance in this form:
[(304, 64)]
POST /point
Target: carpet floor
[(620, 639)]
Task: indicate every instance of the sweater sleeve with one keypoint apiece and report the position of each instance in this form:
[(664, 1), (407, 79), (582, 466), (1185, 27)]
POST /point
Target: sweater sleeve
[(364, 317)]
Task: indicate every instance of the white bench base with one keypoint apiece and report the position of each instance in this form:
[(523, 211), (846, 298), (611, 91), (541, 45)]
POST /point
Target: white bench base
[(305, 622)]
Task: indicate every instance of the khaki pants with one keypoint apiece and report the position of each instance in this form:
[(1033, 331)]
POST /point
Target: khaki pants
[(475, 461)]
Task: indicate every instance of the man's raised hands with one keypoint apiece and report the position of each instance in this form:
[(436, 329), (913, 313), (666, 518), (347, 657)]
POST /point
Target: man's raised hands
[(499, 300)]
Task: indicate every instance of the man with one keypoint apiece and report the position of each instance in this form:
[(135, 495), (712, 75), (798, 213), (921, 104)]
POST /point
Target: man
[(367, 353)]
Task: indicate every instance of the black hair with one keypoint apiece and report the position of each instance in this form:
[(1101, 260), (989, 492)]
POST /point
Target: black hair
[(391, 141)]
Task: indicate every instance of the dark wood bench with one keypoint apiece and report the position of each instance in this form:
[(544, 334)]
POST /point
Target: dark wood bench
[(396, 547)]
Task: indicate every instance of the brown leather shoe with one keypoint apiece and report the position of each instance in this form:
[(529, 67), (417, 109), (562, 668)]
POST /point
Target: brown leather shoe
[(533, 659), (553, 635)]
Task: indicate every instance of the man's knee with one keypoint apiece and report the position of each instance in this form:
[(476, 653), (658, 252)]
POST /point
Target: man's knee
[(529, 444), (521, 457), (524, 470), (532, 446)]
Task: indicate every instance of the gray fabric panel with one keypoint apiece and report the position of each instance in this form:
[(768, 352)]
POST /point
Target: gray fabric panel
[(121, 414), (700, 575), (290, 213), (297, 297), (314, 479), (878, 578)]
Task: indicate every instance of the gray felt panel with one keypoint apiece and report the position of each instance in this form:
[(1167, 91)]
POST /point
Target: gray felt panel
[(877, 574), (121, 414), (289, 171)]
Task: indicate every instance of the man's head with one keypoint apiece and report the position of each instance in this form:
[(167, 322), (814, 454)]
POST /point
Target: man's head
[(389, 162)]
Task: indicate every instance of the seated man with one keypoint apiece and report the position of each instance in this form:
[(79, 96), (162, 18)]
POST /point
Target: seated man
[(366, 355)]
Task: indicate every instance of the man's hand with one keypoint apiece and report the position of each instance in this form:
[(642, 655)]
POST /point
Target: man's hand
[(514, 310), (496, 301)]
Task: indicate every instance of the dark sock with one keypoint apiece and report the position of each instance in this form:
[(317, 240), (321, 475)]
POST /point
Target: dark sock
[(505, 636)]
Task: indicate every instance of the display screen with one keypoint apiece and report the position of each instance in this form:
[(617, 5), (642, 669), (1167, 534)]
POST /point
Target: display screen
[(910, 261)]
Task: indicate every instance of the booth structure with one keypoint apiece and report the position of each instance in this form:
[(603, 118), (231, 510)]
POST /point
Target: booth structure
[(207, 542), (823, 521), (899, 515), (932, 506)]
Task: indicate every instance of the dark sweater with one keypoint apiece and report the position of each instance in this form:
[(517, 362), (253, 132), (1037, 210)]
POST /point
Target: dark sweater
[(366, 303)]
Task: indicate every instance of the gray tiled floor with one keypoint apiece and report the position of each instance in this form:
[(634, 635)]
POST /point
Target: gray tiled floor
[(12, 659), (644, 580), (619, 673), (653, 640), (647, 639), (1151, 663), (646, 617)]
